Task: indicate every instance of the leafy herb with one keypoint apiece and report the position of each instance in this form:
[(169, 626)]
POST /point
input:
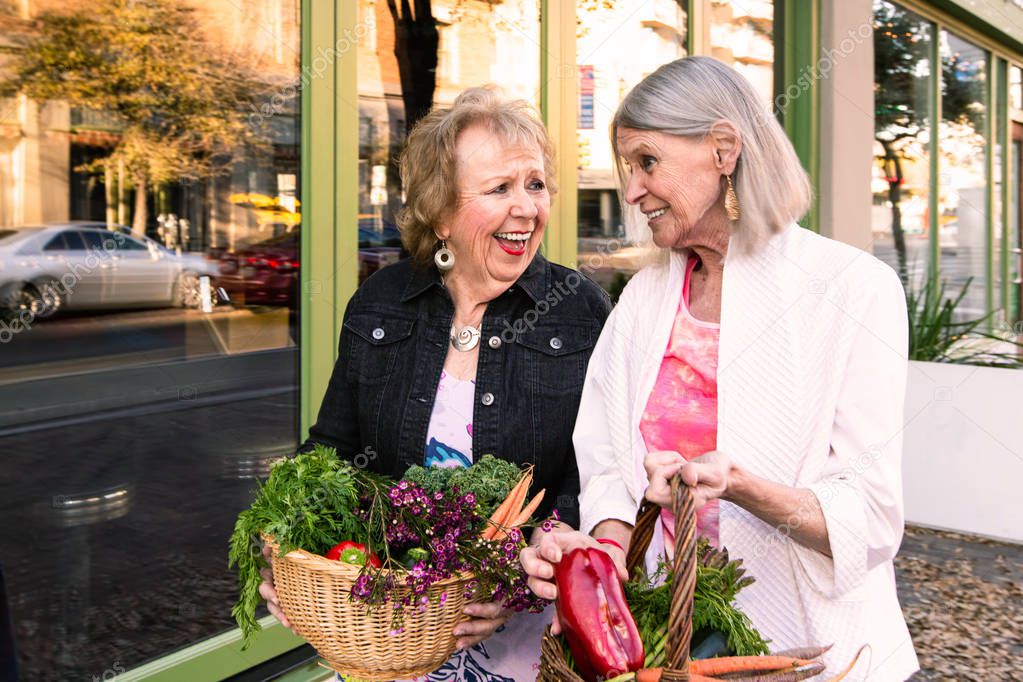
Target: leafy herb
[(718, 581), (308, 502), (490, 478)]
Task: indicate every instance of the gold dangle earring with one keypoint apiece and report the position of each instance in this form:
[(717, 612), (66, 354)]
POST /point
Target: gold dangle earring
[(731, 200)]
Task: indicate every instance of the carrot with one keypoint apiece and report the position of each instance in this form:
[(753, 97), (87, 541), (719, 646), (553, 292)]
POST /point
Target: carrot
[(528, 511), (696, 677), (511, 505), (807, 652), (734, 664), (851, 665), (784, 675), (649, 675)]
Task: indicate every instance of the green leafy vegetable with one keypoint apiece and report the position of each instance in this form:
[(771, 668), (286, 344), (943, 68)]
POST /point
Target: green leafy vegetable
[(308, 502), (490, 478), (718, 581)]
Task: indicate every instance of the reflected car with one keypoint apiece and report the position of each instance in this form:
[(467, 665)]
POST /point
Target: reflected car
[(264, 273), (84, 266), (267, 272)]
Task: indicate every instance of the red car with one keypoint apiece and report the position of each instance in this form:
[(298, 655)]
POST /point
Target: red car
[(264, 273)]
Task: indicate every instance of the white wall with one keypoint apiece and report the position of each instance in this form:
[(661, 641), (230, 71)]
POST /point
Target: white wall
[(846, 73), (963, 457)]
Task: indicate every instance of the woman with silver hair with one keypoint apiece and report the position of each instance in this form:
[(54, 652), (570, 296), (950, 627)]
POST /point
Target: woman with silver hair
[(763, 362)]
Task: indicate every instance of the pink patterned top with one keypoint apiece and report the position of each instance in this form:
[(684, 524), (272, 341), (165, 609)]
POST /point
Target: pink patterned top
[(681, 413)]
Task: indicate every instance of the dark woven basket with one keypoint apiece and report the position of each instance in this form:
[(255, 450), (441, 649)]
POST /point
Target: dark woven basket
[(554, 668)]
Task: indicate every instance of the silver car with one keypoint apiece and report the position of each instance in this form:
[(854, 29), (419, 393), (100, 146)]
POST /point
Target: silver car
[(81, 266)]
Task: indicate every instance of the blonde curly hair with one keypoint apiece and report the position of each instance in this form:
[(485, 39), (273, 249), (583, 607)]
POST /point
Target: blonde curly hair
[(428, 163)]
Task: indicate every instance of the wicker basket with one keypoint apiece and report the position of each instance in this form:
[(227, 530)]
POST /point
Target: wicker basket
[(553, 667), (313, 593)]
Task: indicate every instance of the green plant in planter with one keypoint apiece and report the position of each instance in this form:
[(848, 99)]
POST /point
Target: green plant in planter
[(935, 336)]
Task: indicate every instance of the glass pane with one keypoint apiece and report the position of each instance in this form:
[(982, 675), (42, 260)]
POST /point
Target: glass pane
[(741, 33), (409, 63), (900, 216), (1016, 87), (134, 413), (1015, 236), (610, 65), (962, 184)]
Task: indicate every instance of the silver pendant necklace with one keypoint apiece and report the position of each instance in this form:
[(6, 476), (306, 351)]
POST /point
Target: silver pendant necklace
[(465, 339)]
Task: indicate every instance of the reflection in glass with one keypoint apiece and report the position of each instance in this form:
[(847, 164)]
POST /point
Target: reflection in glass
[(610, 65), (741, 33), (1015, 309), (1016, 87), (962, 184), (134, 412), (900, 215), (411, 62)]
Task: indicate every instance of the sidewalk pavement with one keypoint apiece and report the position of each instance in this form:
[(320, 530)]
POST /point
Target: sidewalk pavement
[(963, 600)]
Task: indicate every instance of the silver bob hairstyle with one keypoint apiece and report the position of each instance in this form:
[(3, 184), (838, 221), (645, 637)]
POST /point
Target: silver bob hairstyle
[(686, 97)]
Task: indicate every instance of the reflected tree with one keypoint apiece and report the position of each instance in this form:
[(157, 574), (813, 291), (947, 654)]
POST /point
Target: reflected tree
[(902, 89), (180, 103)]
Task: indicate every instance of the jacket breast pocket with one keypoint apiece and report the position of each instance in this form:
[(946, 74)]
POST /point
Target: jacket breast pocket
[(376, 341), (557, 354)]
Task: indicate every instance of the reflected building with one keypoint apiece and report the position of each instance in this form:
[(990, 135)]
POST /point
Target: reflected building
[(44, 145)]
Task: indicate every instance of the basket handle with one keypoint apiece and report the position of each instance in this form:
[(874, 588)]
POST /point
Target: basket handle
[(680, 619)]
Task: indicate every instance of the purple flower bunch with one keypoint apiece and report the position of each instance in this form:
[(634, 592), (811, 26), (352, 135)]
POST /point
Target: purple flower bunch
[(439, 534)]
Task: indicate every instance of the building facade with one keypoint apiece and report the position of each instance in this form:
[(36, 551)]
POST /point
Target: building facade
[(135, 431)]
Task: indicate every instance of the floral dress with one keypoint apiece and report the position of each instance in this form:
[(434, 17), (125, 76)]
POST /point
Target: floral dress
[(512, 653)]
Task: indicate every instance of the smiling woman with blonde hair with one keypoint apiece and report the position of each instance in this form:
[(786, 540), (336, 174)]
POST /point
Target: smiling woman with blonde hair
[(764, 363), (475, 345)]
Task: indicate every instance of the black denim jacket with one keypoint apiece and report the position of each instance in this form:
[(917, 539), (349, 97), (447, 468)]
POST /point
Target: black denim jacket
[(535, 344)]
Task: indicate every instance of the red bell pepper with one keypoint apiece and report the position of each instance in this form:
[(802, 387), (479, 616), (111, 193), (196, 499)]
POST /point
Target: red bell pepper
[(353, 553), (595, 617)]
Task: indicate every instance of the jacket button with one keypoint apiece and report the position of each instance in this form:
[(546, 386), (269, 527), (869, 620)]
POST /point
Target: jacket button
[(487, 399), (378, 333), (556, 343), (495, 341)]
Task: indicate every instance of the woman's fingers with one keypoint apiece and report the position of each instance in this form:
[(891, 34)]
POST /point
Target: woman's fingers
[(489, 610), (659, 489), (267, 592), (659, 458), (555, 624), (474, 631)]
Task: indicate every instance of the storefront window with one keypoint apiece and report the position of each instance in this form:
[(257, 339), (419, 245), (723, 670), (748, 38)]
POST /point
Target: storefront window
[(737, 33), (137, 405), (901, 172), (408, 64), (610, 65), (741, 33), (962, 183)]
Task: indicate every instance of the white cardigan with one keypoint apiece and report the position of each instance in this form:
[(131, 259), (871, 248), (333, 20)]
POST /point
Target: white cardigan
[(811, 383)]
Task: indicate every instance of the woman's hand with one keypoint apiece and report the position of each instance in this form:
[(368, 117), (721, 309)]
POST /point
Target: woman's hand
[(267, 591), (538, 561), (708, 476), (486, 618)]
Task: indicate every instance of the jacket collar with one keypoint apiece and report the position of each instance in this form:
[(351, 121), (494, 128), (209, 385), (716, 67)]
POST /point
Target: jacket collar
[(535, 281)]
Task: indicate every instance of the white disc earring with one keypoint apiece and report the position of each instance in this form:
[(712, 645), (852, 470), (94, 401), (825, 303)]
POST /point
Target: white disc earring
[(444, 259)]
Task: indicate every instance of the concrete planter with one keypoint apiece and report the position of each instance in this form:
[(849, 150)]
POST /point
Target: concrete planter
[(963, 458)]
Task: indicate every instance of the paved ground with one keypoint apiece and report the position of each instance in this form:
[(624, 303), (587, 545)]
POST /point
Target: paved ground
[(963, 601)]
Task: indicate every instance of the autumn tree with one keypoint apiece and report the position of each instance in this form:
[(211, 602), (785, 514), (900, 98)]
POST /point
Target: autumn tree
[(180, 102)]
